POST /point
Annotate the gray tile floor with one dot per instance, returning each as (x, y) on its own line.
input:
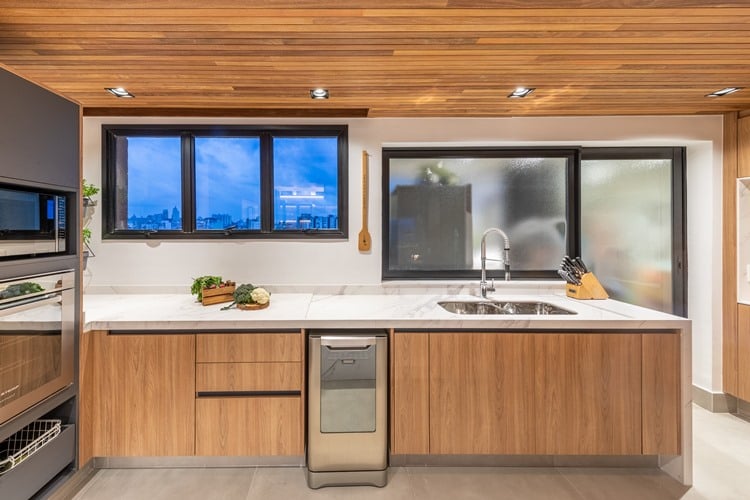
(721, 471)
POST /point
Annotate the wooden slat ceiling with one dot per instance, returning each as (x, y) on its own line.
(384, 58)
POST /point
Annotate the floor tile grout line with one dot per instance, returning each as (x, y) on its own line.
(576, 490)
(410, 481)
(248, 496)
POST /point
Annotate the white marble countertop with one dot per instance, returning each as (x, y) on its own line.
(177, 312)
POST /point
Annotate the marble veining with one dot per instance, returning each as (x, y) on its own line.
(358, 310)
(470, 287)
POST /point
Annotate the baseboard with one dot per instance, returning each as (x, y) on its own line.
(643, 461)
(74, 483)
(196, 462)
(743, 409)
(716, 402)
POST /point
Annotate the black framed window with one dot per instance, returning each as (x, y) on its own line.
(633, 224)
(621, 209)
(225, 182)
(437, 203)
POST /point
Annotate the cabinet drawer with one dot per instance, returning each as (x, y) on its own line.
(227, 377)
(248, 347)
(253, 426)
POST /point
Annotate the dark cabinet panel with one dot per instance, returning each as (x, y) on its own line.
(39, 133)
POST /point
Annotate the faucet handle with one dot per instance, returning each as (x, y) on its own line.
(491, 288)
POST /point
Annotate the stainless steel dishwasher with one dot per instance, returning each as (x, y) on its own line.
(347, 414)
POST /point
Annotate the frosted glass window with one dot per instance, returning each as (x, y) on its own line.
(626, 228)
(439, 208)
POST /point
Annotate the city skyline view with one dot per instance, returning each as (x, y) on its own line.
(228, 183)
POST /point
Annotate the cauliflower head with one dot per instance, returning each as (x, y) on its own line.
(260, 296)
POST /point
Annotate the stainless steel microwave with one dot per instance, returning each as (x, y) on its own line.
(32, 222)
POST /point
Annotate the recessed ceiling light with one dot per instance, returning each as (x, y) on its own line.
(118, 92)
(521, 92)
(319, 93)
(724, 91)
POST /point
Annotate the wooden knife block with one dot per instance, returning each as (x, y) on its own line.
(590, 288)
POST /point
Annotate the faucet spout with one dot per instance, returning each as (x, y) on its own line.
(484, 287)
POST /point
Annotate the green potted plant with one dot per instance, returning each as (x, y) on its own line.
(89, 191)
(87, 252)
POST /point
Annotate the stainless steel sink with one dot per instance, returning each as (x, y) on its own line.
(499, 307)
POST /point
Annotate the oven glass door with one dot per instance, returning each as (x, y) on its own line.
(36, 340)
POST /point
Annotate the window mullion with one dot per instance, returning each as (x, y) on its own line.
(574, 204)
(266, 182)
(188, 183)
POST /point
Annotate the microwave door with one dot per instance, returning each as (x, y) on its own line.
(31, 223)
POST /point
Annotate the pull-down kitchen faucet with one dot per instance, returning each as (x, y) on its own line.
(483, 286)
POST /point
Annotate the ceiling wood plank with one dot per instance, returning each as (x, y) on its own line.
(434, 58)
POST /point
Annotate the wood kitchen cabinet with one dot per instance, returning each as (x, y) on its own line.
(250, 347)
(587, 394)
(138, 395)
(599, 393)
(410, 393)
(481, 400)
(248, 426)
(661, 408)
(249, 394)
(152, 395)
(743, 352)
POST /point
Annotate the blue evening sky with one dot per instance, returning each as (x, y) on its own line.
(227, 172)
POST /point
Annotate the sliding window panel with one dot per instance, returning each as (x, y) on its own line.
(439, 207)
(631, 225)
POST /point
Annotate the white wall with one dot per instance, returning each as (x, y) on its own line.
(339, 262)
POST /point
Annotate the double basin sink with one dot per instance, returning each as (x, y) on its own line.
(501, 307)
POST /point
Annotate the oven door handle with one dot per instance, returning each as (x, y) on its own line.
(30, 303)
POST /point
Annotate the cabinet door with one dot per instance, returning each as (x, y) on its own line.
(743, 352)
(410, 393)
(241, 377)
(248, 347)
(588, 394)
(481, 393)
(661, 394)
(143, 394)
(249, 426)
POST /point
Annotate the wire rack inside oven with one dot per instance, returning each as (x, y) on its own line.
(26, 442)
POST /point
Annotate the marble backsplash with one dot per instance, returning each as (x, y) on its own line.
(384, 288)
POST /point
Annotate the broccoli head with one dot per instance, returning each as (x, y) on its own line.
(243, 294)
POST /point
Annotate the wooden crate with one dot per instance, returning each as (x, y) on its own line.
(218, 295)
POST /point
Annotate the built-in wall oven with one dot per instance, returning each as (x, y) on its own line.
(33, 222)
(37, 335)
